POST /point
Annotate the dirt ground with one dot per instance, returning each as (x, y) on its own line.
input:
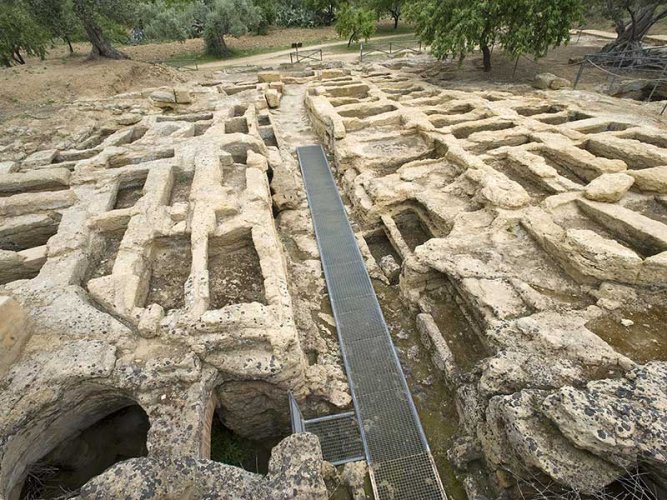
(61, 78)
(159, 52)
(561, 61)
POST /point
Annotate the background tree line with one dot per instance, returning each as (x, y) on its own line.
(453, 28)
(30, 27)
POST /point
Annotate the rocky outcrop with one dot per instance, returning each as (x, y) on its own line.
(609, 188)
(295, 470)
(549, 81)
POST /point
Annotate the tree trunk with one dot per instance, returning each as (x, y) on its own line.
(631, 35)
(330, 13)
(69, 43)
(486, 52)
(16, 55)
(395, 16)
(101, 46)
(352, 37)
(224, 50)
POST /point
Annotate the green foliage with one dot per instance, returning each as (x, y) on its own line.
(393, 8)
(295, 14)
(19, 32)
(325, 9)
(458, 27)
(355, 22)
(268, 10)
(162, 20)
(227, 447)
(228, 17)
(55, 16)
(120, 11)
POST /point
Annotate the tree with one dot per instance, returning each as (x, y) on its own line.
(19, 32)
(354, 22)
(393, 7)
(56, 16)
(92, 14)
(268, 10)
(633, 20)
(228, 17)
(324, 8)
(162, 20)
(459, 27)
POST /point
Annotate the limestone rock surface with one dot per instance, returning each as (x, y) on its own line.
(609, 188)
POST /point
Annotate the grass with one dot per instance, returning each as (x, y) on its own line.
(344, 49)
(383, 29)
(236, 53)
(227, 447)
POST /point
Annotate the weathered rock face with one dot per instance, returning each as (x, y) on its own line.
(13, 332)
(619, 419)
(549, 81)
(140, 264)
(514, 214)
(609, 188)
(295, 471)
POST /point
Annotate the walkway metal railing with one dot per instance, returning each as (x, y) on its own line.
(390, 48)
(400, 462)
(304, 55)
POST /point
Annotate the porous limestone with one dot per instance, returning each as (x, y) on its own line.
(159, 251)
(522, 208)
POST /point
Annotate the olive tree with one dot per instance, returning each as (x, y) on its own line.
(355, 22)
(632, 19)
(57, 17)
(92, 14)
(325, 9)
(228, 17)
(391, 7)
(19, 33)
(459, 27)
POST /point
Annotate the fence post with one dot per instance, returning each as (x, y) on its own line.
(657, 82)
(612, 80)
(389, 48)
(361, 52)
(581, 70)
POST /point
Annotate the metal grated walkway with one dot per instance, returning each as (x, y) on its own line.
(400, 461)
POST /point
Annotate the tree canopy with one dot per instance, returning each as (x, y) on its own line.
(19, 31)
(392, 7)
(355, 22)
(228, 17)
(459, 27)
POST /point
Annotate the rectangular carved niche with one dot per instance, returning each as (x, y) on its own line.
(170, 268)
(180, 193)
(235, 275)
(414, 231)
(129, 193)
